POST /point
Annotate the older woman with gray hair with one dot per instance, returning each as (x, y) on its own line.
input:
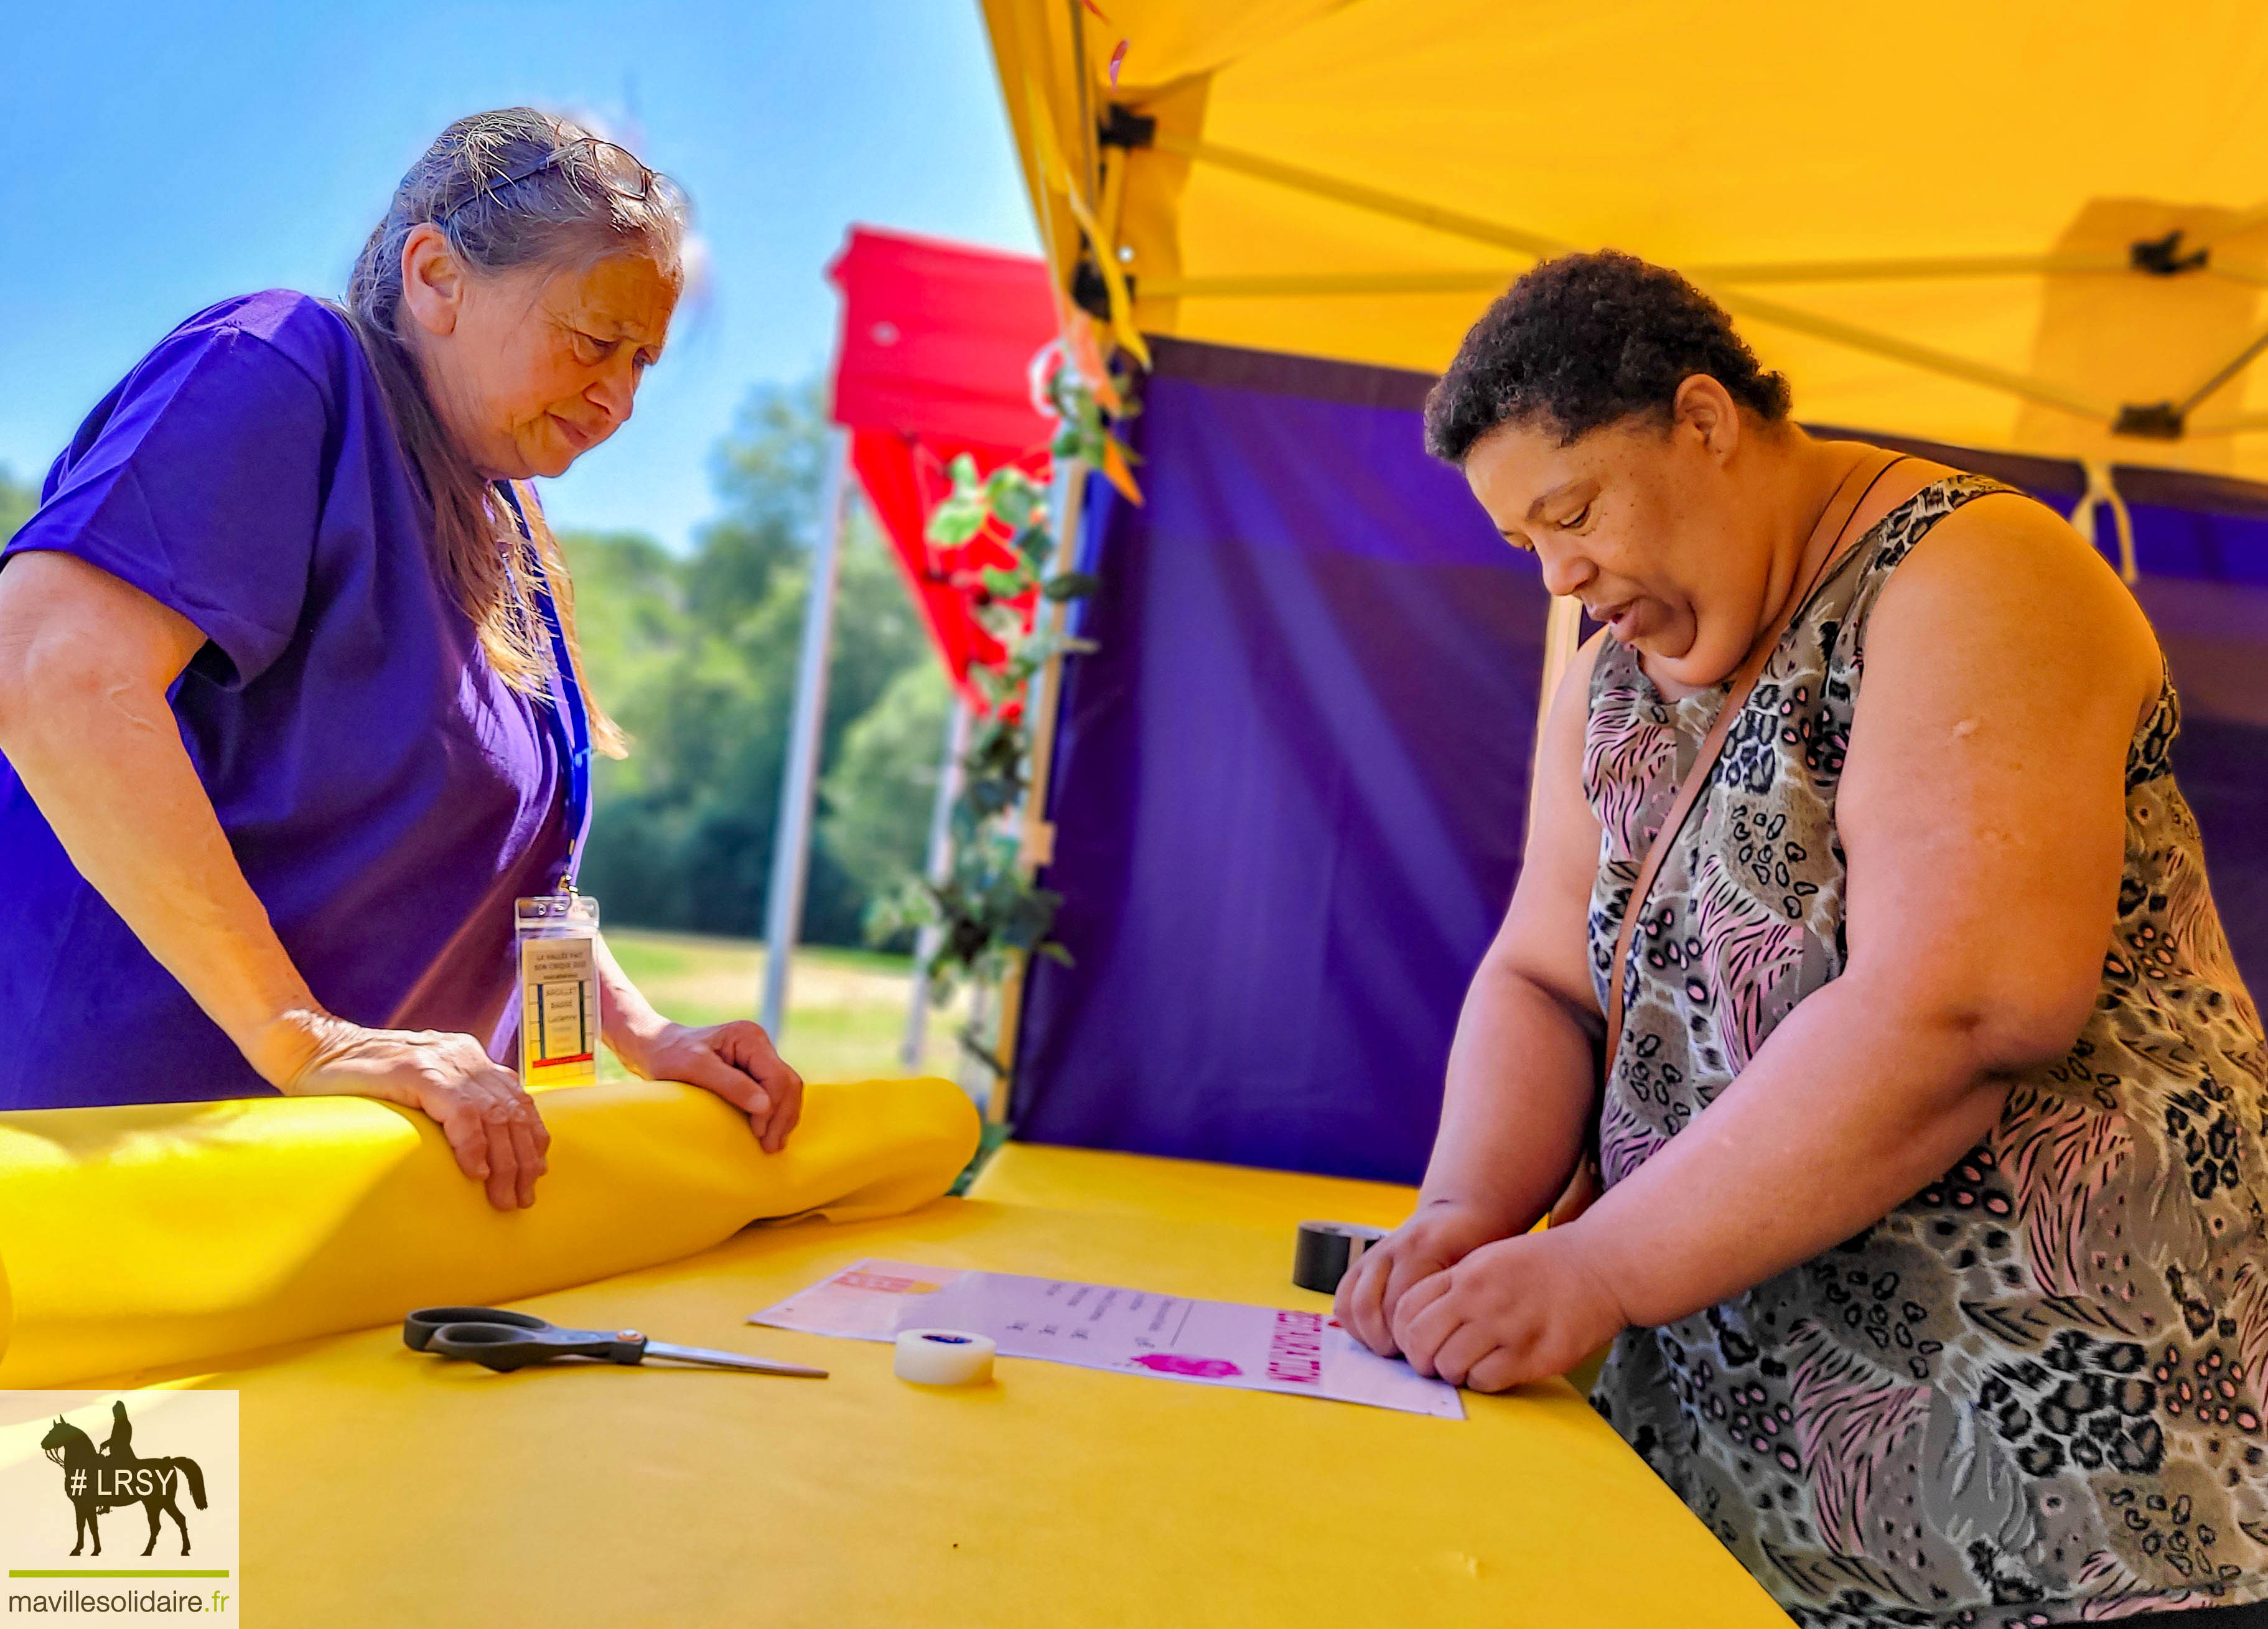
(291, 702)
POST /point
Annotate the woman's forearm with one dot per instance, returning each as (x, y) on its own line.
(1851, 1106)
(1517, 1088)
(1512, 1119)
(101, 752)
(1522, 1076)
(627, 1020)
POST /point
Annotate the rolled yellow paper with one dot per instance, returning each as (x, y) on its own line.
(139, 1238)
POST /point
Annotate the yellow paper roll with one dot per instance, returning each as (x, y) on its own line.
(135, 1238)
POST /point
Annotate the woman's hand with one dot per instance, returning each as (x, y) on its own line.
(735, 1060)
(492, 1126)
(1516, 1310)
(1437, 1237)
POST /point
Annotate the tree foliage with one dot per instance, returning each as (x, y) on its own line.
(17, 501)
(988, 912)
(696, 656)
(881, 788)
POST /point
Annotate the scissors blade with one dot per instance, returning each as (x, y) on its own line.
(730, 1360)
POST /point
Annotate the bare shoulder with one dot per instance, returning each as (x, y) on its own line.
(1544, 933)
(2003, 591)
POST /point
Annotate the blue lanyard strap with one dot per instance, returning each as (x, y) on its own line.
(570, 718)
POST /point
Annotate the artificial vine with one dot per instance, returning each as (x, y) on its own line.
(988, 909)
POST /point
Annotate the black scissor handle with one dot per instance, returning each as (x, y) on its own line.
(507, 1346)
(419, 1327)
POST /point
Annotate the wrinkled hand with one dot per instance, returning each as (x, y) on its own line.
(1516, 1310)
(499, 1139)
(1437, 1237)
(736, 1061)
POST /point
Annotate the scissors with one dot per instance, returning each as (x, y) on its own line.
(504, 1341)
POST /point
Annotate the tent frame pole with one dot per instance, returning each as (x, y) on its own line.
(2213, 237)
(1928, 359)
(1328, 283)
(1037, 834)
(2221, 375)
(799, 784)
(1563, 636)
(937, 867)
(1532, 244)
(2236, 425)
(1066, 499)
(2045, 392)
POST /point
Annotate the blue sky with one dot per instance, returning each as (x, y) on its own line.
(161, 157)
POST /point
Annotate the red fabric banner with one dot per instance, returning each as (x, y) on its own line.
(934, 361)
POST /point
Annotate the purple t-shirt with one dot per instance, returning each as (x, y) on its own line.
(385, 793)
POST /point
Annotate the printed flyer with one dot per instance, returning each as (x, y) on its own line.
(1208, 1342)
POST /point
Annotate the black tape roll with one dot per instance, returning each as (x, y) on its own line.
(1327, 1249)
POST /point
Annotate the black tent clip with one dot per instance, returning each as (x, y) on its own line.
(2162, 257)
(2154, 421)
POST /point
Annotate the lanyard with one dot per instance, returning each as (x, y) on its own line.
(571, 718)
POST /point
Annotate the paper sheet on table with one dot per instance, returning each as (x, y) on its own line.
(1210, 1343)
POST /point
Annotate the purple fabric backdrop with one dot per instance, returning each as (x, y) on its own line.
(1291, 782)
(2205, 585)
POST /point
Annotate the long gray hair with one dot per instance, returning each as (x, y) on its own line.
(511, 188)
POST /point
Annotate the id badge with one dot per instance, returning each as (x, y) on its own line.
(558, 939)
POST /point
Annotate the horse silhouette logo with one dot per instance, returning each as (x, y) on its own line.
(100, 1479)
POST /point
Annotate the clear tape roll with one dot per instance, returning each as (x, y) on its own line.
(943, 1358)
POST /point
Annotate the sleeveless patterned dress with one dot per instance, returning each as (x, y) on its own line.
(2034, 1393)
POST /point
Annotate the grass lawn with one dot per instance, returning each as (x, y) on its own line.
(846, 1009)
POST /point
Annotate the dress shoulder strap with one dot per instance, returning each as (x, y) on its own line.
(1705, 762)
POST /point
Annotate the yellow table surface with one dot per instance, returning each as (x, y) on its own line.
(380, 1485)
(1089, 1179)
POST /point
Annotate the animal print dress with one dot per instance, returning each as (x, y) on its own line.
(2034, 1393)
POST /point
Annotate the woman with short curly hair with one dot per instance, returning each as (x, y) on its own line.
(1932, 1132)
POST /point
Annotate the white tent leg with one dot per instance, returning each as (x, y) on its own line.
(1563, 636)
(799, 784)
(937, 868)
(2102, 491)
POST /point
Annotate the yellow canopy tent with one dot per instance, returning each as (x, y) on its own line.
(2035, 234)
(2033, 225)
